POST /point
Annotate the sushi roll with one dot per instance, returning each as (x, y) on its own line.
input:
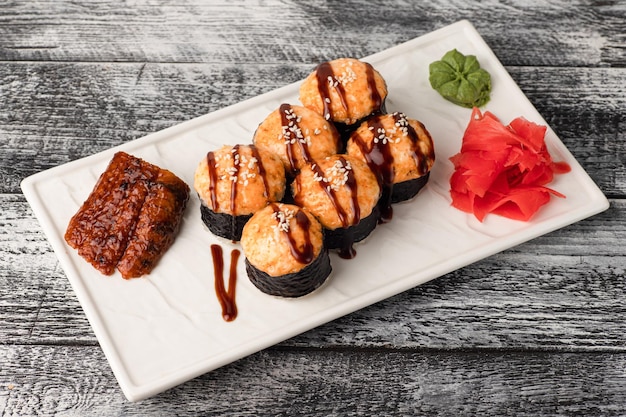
(344, 91)
(233, 183)
(342, 192)
(284, 251)
(297, 135)
(399, 150)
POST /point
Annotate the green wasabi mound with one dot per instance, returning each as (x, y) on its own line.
(459, 79)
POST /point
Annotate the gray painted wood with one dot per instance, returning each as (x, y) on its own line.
(51, 118)
(539, 329)
(329, 383)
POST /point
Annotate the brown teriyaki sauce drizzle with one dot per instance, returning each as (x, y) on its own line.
(235, 174)
(225, 297)
(293, 136)
(210, 159)
(306, 254)
(326, 79)
(380, 159)
(213, 178)
(261, 168)
(374, 94)
(346, 250)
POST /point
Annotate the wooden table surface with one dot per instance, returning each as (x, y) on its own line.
(539, 329)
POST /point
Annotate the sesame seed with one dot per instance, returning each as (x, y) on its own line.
(292, 132)
(283, 217)
(346, 77)
(337, 175)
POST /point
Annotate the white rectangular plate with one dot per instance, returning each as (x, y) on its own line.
(167, 328)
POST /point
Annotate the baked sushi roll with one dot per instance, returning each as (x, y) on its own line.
(297, 135)
(342, 192)
(284, 251)
(344, 91)
(399, 150)
(233, 183)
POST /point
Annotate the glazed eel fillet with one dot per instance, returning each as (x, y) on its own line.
(130, 218)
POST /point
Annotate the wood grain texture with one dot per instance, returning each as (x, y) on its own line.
(76, 381)
(54, 113)
(521, 33)
(539, 329)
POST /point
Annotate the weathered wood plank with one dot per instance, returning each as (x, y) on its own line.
(502, 302)
(36, 298)
(562, 33)
(48, 117)
(77, 381)
(535, 330)
(563, 290)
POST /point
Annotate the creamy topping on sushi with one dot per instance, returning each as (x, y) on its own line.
(339, 175)
(297, 135)
(384, 135)
(339, 190)
(396, 148)
(344, 90)
(292, 135)
(240, 170)
(280, 229)
(339, 81)
(284, 217)
(239, 179)
(291, 132)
